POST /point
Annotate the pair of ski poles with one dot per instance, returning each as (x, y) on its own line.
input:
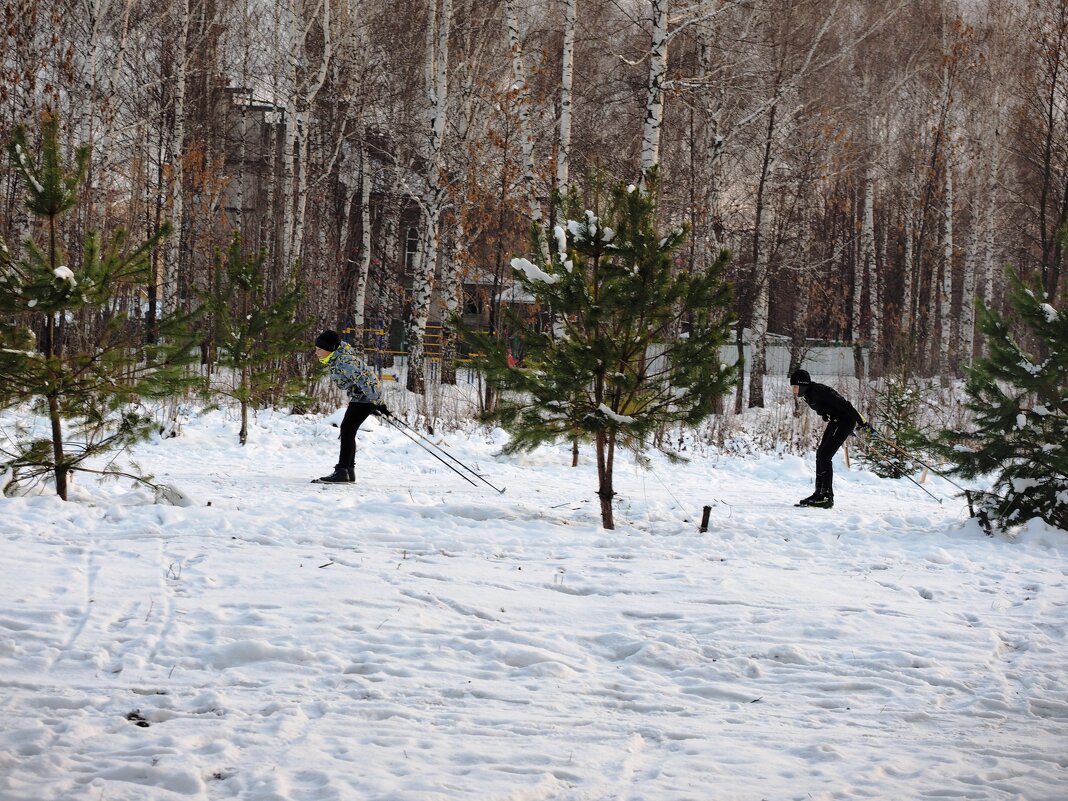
(895, 447)
(439, 453)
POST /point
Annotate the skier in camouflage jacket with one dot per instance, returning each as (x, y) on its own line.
(358, 380)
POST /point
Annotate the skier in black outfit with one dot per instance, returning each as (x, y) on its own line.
(841, 419)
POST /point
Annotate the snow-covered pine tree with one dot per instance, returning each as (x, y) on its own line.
(253, 332)
(1019, 397)
(91, 393)
(611, 371)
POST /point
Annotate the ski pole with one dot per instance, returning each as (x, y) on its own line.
(914, 481)
(441, 450)
(918, 484)
(448, 455)
(905, 453)
(389, 419)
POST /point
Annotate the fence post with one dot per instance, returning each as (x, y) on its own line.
(705, 512)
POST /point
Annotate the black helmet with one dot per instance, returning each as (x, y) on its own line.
(801, 378)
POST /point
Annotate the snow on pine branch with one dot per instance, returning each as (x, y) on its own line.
(1051, 313)
(63, 273)
(24, 162)
(1029, 366)
(615, 416)
(591, 230)
(561, 247)
(532, 271)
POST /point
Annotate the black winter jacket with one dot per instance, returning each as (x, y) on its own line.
(829, 405)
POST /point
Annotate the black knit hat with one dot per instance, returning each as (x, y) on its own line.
(328, 340)
(801, 378)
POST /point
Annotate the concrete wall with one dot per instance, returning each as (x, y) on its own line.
(819, 361)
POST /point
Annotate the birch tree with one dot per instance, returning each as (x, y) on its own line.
(437, 74)
(908, 309)
(966, 330)
(799, 318)
(865, 269)
(654, 99)
(172, 254)
(104, 52)
(758, 321)
(945, 292)
(988, 269)
(526, 132)
(706, 239)
(567, 77)
(363, 268)
(303, 83)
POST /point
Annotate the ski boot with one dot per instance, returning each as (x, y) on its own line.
(824, 501)
(341, 475)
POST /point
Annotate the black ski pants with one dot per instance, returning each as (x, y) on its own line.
(833, 436)
(350, 424)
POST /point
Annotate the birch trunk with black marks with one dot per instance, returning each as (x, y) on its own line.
(945, 291)
(989, 273)
(391, 223)
(289, 146)
(437, 64)
(758, 322)
(966, 333)
(363, 265)
(864, 270)
(654, 101)
(941, 295)
(707, 239)
(303, 91)
(567, 77)
(799, 318)
(526, 133)
(172, 255)
(908, 309)
(116, 55)
(878, 310)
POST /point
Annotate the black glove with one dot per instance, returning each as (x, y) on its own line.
(380, 409)
(863, 424)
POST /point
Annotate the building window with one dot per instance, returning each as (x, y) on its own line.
(411, 250)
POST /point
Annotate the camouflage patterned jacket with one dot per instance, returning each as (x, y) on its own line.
(353, 376)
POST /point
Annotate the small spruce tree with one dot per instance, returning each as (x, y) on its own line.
(253, 333)
(91, 393)
(1019, 397)
(897, 413)
(634, 345)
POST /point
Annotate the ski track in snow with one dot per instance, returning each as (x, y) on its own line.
(412, 637)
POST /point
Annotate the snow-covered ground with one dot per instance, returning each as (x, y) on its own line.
(413, 637)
